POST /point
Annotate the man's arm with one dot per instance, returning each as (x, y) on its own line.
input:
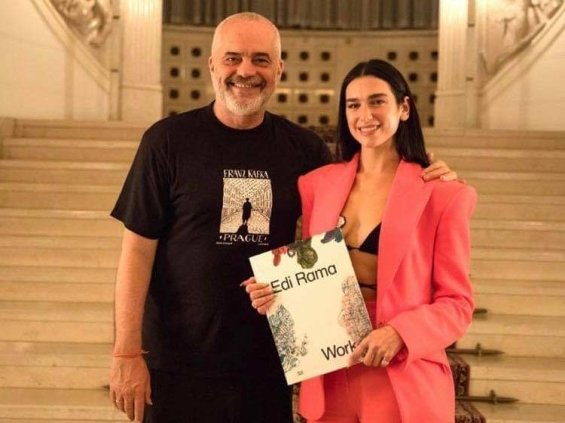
(129, 377)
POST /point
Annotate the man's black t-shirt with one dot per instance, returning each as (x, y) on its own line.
(213, 196)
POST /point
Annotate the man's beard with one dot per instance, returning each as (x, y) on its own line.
(245, 106)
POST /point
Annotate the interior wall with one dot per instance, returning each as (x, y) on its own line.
(352, 15)
(39, 76)
(315, 63)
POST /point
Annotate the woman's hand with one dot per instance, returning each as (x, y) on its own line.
(378, 348)
(260, 294)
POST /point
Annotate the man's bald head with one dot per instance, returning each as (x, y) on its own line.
(251, 17)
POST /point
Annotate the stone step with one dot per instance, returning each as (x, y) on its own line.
(56, 222)
(49, 257)
(539, 380)
(104, 253)
(520, 207)
(40, 321)
(56, 312)
(61, 172)
(56, 291)
(517, 182)
(521, 413)
(113, 173)
(103, 197)
(61, 242)
(517, 263)
(58, 274)
(493, 138)
(486, 232)
(75, 129)
(448, 137)
(518, 254)
(88, 150)
(58, 196)
(54, 365)
(519, 287)
(513, 268)
(503, 160)
(521, 297)
(518, 335)
(57, 405)
(518, 234)
(56, 331)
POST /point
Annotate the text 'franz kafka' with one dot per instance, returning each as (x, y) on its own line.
(302, 278)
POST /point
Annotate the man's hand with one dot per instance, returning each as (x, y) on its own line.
(439, 169)
(130, 389)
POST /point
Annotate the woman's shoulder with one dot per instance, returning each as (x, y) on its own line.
(445, 193)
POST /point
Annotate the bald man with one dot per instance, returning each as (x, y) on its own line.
(210, 357)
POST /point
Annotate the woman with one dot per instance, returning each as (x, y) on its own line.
(409, 245)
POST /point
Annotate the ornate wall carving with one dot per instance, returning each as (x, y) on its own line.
(91, 20)
(511, 26)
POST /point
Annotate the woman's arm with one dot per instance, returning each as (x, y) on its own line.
(429, 328)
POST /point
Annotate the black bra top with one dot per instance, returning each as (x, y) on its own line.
(371, 243)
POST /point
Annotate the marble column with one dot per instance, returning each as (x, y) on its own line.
(141, 89)
(451, 103)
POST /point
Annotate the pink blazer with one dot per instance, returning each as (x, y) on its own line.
(423, 285)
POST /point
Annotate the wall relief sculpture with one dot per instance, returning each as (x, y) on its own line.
(91, 20)
(511, 26)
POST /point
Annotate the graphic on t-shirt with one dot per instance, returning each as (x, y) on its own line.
(246, 207)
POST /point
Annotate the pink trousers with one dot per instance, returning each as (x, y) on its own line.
(359, 394)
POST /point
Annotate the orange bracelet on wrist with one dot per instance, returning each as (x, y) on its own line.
(129, 355)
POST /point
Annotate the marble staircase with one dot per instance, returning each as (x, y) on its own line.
(58, 253)
(518, 267)
(59, 250)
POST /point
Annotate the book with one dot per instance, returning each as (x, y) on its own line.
(319, 315)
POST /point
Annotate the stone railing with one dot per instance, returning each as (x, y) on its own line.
(511, 27)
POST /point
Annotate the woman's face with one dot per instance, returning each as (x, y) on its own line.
(373, 115)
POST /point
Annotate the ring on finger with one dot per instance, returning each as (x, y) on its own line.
(366, 355)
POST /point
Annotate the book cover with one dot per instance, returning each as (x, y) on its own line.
(319, 314)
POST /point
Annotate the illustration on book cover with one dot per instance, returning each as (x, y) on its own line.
(319, 314)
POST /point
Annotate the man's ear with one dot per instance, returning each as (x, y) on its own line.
(280, 70)
(210, 64)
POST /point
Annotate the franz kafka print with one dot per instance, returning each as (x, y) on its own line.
(246, 207)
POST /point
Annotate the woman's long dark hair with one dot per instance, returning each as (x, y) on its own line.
(409, 137)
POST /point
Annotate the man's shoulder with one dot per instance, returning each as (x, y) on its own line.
(304, 140)
(180, 121)
(283, 124)
(175, 130)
